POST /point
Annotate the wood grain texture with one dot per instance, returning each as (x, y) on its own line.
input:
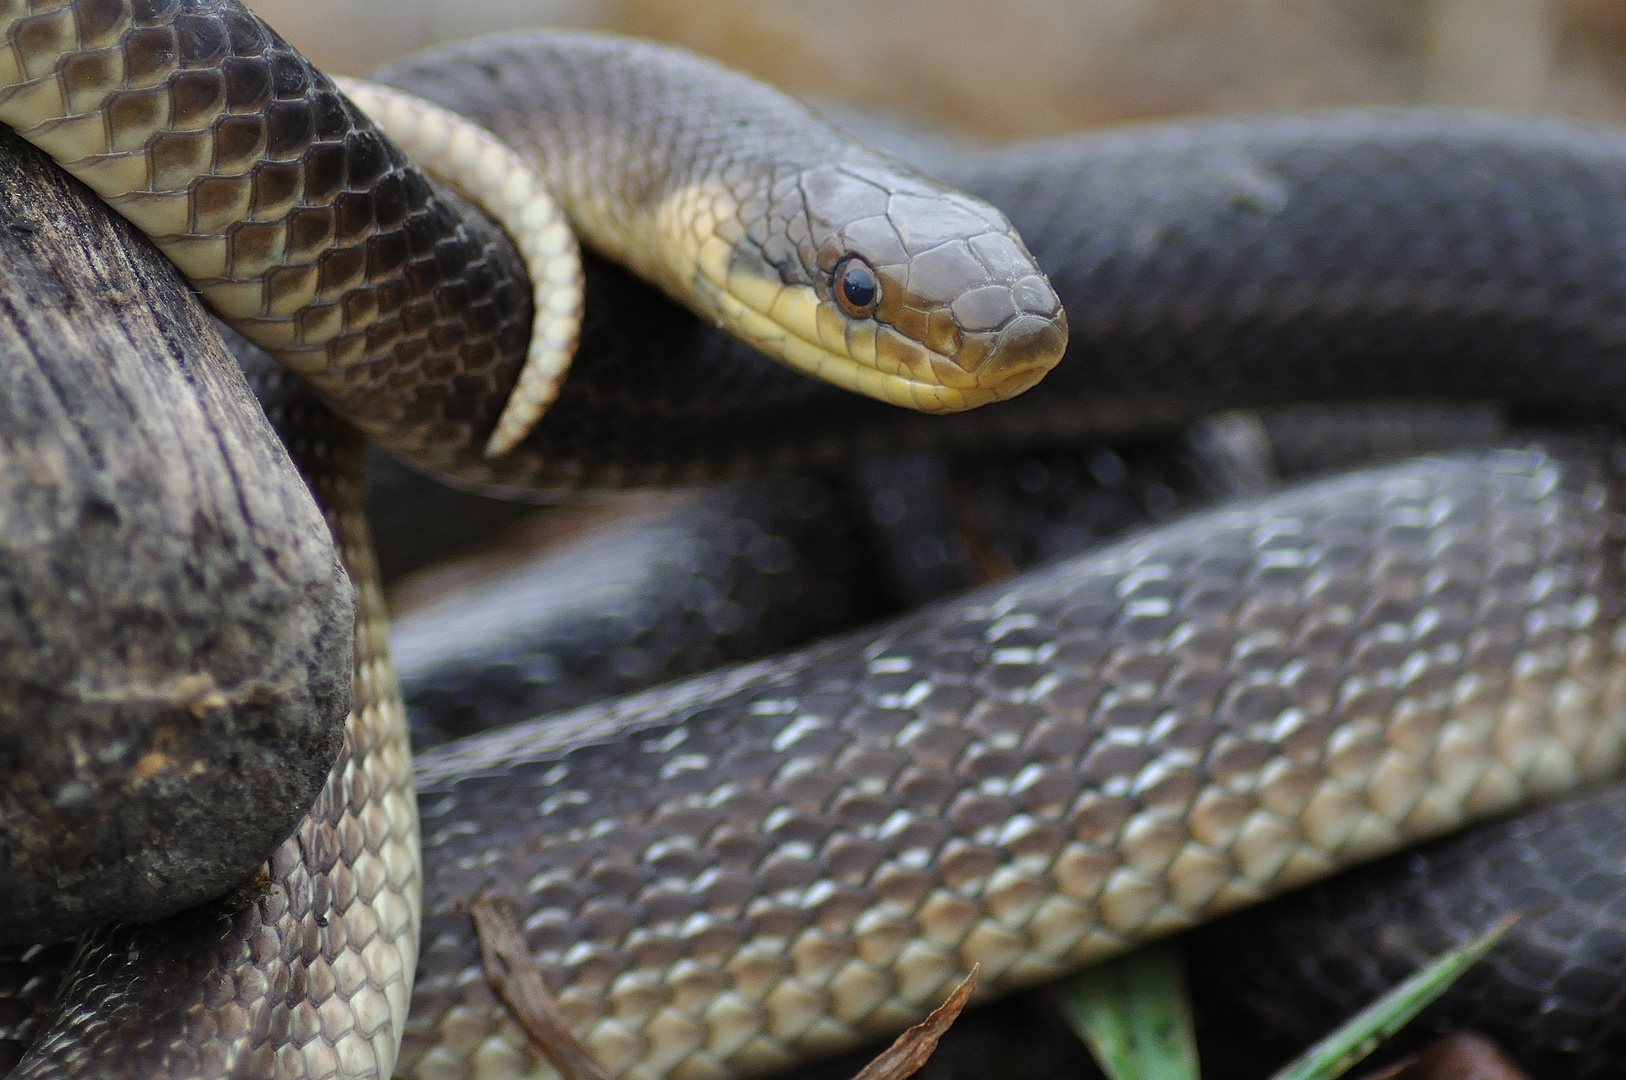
(169, 593)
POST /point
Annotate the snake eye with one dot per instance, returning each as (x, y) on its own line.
(857, 288)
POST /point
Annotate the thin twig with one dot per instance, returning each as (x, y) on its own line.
(1393, 1072)
(517, 980)
(1461, 1055)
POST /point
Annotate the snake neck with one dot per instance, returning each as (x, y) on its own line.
(677, 150)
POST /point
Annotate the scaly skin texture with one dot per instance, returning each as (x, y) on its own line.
(1116, 834)
(785, 858)
(310, 234)
(734, 572)
(502, 185)
(313, 236)
(1203, 264)
(1549, 993)
(718, 575)
(298, 222)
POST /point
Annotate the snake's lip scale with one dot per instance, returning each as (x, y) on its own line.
(988, 365)
(882, 363)
(1027, 349)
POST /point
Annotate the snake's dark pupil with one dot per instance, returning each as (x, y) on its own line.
(859, 289)
(858, 285)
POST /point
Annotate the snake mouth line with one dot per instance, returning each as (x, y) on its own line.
(796, 326)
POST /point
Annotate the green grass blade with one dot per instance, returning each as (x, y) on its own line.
(1362, 1033)
(1135, 1015)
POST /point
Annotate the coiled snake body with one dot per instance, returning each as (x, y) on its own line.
(786, 857)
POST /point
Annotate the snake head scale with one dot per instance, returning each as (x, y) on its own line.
(870, 276)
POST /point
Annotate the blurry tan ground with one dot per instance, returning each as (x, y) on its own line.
(1027, 66)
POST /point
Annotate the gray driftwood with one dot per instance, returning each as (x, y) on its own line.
(175, 628)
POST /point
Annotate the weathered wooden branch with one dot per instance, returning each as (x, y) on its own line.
(175, 629)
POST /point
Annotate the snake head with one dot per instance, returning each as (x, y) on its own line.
(864, 273)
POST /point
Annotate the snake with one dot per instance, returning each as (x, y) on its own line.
(358, 272)
(787, 857)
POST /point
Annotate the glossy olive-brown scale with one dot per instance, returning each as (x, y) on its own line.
(298, 222)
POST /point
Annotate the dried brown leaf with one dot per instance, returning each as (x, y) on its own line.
(914, 1046)
(1393, 1072)
(1462, 1055)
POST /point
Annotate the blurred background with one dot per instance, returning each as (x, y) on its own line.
(1018, 67)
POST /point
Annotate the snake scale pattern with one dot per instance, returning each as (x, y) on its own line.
(784, 858)
(1030, 778)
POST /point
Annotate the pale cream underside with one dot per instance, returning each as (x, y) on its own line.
(1561, 723)
(459, 152)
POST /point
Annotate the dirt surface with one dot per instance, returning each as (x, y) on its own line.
(1026, 66)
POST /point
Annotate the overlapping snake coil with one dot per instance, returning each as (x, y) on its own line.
(786, 857)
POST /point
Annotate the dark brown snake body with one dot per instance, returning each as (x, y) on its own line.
(782, 859)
